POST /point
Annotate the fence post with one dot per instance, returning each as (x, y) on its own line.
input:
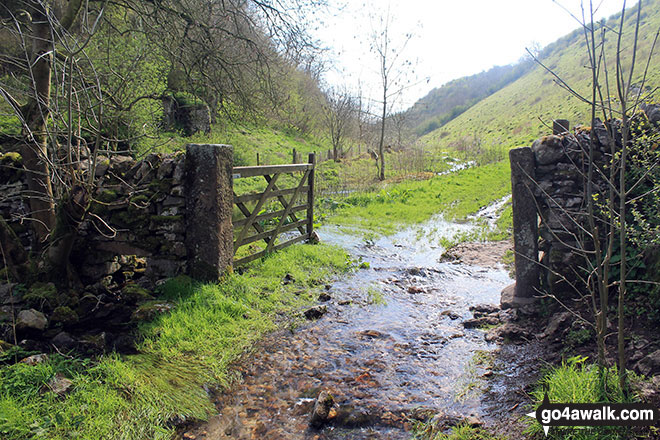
(310, 196)
(258, 159)
(295, 156)
(525, 230)
(209, 202)
(560, 126)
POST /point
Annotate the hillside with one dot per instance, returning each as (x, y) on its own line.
(445, 103)
(524, 110)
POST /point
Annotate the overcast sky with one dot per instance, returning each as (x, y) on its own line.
(451, 38)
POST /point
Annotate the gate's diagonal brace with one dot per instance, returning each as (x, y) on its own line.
(287, 208)
(255, 212)
(285, 205)
(246, 212)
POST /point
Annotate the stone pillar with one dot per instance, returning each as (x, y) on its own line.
(209, 203)
(525, 229)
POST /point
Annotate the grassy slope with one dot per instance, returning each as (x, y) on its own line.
(511, 116)
(137, 397)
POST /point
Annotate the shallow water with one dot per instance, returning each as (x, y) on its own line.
(391, 345)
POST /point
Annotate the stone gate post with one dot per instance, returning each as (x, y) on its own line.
(525, 230)
(209, 203)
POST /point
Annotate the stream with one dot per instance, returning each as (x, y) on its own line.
(390, 347)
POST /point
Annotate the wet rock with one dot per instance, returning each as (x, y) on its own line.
(351, 417)
(474, 421)
(324, 297)
(321, 412)
(316, 312)
(31, 320)
(59, 384)
(508, 331)
(452, 315)
(415, 289)
(483, 309)
(557, 322)
(481, 322)
(34, 359)
(345, 302)
(649, 365)
(288, 279)
(373, 334)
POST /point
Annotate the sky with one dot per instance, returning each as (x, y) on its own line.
(450, 38)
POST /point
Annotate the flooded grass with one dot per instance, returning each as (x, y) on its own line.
(454, 195)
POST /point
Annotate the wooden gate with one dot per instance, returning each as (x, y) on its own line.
(253, 221)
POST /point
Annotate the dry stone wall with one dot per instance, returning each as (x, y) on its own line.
(550, 208)
(137, 228)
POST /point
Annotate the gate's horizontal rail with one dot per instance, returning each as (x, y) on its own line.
(270, 215)
(280, 192)
(240, 172)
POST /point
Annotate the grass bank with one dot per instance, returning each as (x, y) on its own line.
(454, 195)
(181, 354)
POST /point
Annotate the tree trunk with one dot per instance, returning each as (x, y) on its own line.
(36, 111)
(382, 137)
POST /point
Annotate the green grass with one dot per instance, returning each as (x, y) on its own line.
(576, 381)
(140, 396)
(427, 431)
(454, 195)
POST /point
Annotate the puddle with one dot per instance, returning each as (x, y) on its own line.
(391, 345)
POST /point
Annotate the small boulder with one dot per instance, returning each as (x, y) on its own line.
(31, 320)
(316, 312)
(324, 297)
(321, 412)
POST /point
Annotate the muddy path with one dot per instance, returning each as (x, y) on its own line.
(392, 347)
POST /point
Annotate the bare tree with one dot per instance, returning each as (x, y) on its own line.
(338, 114)
(392, 68)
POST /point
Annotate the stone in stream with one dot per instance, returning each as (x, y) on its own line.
(483, 309)
(481, 322)
(315, 312)
(322, 410)
(324, 297)
(508, 331)
(450, 314)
